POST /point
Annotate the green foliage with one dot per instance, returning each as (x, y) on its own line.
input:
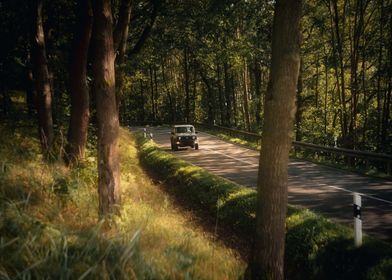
(315, 247)
(381, 271)
(210, 192)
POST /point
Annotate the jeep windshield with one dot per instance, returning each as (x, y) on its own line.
(184, 129)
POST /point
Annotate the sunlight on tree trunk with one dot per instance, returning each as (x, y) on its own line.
(107, 114)
(267, 256)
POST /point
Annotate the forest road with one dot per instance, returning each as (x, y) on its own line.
(325, 190)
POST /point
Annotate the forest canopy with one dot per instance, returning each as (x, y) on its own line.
(208, 61)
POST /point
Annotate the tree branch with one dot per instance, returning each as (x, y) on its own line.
(147, 29)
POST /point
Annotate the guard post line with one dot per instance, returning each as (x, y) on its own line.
(357, 220)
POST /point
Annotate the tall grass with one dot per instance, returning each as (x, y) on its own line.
(49, 227)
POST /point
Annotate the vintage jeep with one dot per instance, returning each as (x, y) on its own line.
(183, 136)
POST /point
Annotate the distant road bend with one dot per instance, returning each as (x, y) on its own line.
(323, 189)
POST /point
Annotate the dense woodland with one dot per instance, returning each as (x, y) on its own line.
(88, 66)
(208, 61)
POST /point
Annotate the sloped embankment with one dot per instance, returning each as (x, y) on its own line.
(49, 226)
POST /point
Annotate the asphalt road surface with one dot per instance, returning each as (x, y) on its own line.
(323, 189)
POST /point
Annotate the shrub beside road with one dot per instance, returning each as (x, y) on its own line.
(316, 248)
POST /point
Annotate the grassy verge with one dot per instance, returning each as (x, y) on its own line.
(235, 140)
(315, 247)
(49, 229)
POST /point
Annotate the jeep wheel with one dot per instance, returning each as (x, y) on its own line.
(175, 147)
(196, 146)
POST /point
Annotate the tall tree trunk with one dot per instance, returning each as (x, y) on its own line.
(365, 99)
(339, 41)
(234, 97)
(386, 116)
(227, 93)
(337, 44)
(300, 109)
(142, 111)
(210, 99)
(194, 91)
(120, 39)
(220, 95)
(156, 93)
(246, 97)
(107, 114)
(379, 74)
(316, 87)
(42, 81)
(79, 91)
(267, 257)
(152, 93)
(326, 98)
(167, 90)
(354, 59)
(186, 85)
(257, 73)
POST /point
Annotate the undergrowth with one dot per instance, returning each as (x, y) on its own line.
(49, 226)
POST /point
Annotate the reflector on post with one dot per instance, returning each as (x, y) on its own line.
(357, 220)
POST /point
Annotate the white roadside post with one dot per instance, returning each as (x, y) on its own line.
(357, 220)
(145, 132)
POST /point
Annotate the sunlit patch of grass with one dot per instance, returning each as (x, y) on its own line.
(169, 240)
(239, 141)
(49, 224)
(235, 140)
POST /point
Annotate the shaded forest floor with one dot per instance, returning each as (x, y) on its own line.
(49, 224)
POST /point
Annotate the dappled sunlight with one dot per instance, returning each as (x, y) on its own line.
(58, 208)
(323, 189)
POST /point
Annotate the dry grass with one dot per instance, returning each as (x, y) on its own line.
(49, 229)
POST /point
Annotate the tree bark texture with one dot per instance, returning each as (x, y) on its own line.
(267, 256)
(107, 114)
(79, 91)
(41, 77)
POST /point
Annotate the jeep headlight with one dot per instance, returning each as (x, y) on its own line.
(179, 137)
(194, 137)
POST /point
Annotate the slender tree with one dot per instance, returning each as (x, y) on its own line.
(246, 97)
(120, 39)
(41, 78)
(107, 114)
(267, 257)
(79, 91)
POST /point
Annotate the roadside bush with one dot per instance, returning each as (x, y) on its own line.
(316, 248)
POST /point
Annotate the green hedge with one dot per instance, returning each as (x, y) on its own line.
(315, 247)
